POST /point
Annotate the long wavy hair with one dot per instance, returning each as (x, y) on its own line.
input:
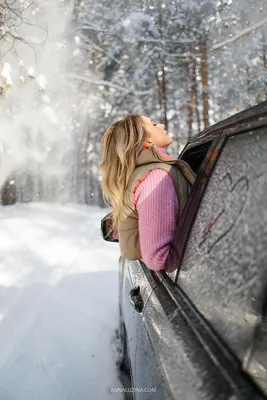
(121, 145)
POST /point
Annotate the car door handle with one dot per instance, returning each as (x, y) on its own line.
(136, 299)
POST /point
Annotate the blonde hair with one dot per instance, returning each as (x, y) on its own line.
(122, 143)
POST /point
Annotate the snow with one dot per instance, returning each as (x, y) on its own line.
(41, 82)
(58, 304)
(5, 76)
(31, 72)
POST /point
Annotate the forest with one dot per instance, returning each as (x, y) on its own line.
(69, 69)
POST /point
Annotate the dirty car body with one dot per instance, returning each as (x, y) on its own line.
(200, 332)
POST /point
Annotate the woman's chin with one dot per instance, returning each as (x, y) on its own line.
(167, 145)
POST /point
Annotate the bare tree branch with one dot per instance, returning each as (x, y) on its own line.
(11, 17)
(241, 34)
(109, 84)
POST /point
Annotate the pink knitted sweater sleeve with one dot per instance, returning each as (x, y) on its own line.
(157, 206)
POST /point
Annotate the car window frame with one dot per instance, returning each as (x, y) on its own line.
(193, 201)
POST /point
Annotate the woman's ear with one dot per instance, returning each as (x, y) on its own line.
(148, 144)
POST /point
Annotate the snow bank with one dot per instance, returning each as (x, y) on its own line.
(58, 304)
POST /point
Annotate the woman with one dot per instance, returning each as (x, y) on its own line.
(146, 189)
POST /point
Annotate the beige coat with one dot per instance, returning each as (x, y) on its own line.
(183, 177)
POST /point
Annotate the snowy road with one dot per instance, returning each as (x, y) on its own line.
(58, 304)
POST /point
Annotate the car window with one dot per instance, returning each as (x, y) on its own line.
(223, 270)
(195, 155)
(201, 158)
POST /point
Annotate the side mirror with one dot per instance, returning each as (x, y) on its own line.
(105, 229)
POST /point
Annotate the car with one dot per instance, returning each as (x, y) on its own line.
(200, 332)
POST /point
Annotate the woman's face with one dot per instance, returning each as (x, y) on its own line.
(156, 134)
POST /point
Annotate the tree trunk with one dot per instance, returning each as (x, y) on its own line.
(195, 92)
(161, 82)
(248, 82)
(84, 163)
(193, 107)
(40, 184)
(164, 99)
(190, 102)
(264, 50)
(205, 82)
(8, 192)
(28, 189)
(162, 79)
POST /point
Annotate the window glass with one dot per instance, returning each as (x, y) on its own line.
(200, 156)
(196, 155)
(224, 266)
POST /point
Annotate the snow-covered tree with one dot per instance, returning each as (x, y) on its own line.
(187, 63)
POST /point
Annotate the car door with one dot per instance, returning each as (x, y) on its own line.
(146, 376)
(195, 356)
(136, 285)
(223, 270)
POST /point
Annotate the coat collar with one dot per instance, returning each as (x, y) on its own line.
(152, 155)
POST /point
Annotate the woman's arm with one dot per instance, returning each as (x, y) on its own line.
(115, 233)
(157, 206)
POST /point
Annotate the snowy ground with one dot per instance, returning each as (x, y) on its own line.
(58, 304)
